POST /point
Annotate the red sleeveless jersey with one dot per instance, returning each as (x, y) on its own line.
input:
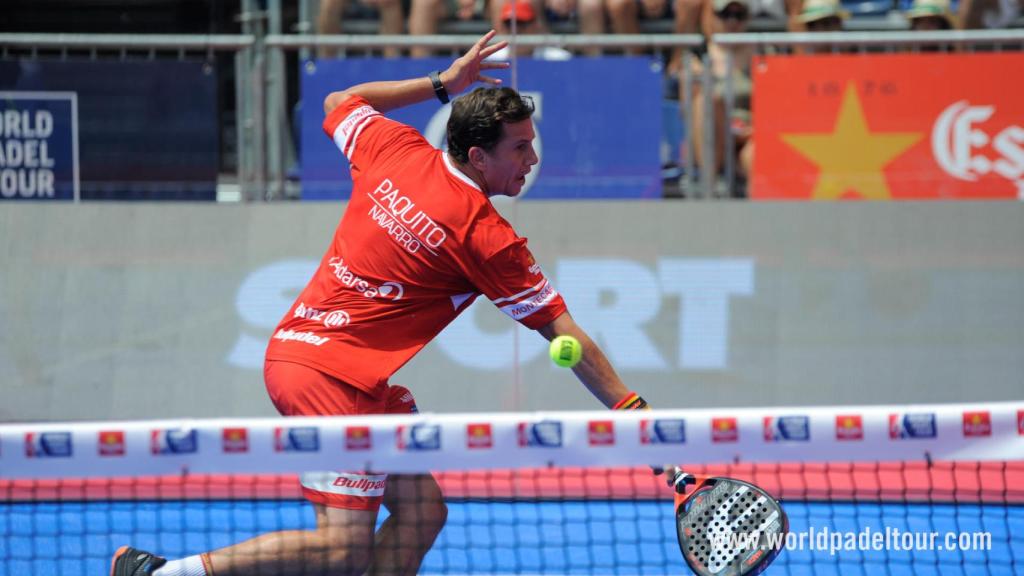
(418, 243)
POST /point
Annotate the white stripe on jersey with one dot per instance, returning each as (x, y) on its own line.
(366, 485)
(519, 296)
(524, 308)
(348, 130)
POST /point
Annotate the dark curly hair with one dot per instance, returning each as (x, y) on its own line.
(478, 117)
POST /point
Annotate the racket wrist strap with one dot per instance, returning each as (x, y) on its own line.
(632, 401)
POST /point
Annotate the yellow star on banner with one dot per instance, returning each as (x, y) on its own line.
(851, 157)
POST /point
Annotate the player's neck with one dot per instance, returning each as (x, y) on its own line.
(473, 174)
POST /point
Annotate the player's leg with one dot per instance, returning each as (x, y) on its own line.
(341, 544)
(416, 509)
(417, 515)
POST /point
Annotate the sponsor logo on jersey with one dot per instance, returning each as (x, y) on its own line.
(358, 438)
(110, 443)
(1020, 422)
(418, 437)
(663, 431)
(545, 434)
(359, 485)
(479, 436)
(174, 441)
(234, 440)
(849, 427)
(329, 318)
(977, 423)
(601, 432)
(305, 337)
(724, 429)
(787, 429)
(298, 439)
(912, 425)
(386, 291)
(528, 301)
(48, 445)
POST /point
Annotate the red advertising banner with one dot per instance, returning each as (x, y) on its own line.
(879, 127)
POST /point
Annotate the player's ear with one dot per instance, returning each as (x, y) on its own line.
(478, 157)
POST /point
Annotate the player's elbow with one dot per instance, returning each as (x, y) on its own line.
(335, 99)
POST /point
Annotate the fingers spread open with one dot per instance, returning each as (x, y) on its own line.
(492, 49)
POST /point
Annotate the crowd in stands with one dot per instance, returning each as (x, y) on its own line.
(706, 17)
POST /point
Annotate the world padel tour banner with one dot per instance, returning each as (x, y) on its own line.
(145, 129)
(901, 127)
(38, 146)
(598, 124)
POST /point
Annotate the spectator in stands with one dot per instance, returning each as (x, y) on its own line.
(729, 17)
(425, 17)
(623, 16)
(989, 13)
(332, 12)
(523, 14)
(823, 16)
(931, 15)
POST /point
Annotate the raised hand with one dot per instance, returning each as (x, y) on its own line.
(469, 68)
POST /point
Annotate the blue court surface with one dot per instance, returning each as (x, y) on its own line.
(573, 537)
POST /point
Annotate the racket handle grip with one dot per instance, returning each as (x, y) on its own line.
(678, 480)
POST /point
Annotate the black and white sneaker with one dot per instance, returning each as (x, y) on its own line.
(131, 562)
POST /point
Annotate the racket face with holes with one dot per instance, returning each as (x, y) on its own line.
(726, 527)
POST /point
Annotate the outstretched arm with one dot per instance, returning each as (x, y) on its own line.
(462, 74)
(594, 369)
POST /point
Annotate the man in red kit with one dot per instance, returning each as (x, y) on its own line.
(418, 243)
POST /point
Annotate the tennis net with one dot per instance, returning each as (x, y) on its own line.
(895, 489)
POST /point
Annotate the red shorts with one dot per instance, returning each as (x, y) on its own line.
(298, 390)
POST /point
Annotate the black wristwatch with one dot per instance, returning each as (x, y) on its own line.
(435, 79)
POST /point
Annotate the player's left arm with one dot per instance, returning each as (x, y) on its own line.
(463, 73)
(594, 370)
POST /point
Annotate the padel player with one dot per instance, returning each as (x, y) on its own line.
(418, 243)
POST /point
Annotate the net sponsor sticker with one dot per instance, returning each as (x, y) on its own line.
(601, 432)
(724, 429)
(418, 437)
(234, 440)
(299, 439)
(668, 431)
(479, 436)
(110, 443)
(849, 427)
(918, 425)
(545, 434)
(48, 445)
(173, 441)
(787, 429)
(977, 424)
(358, 438)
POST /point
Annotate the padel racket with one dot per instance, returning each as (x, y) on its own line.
(726, 527)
